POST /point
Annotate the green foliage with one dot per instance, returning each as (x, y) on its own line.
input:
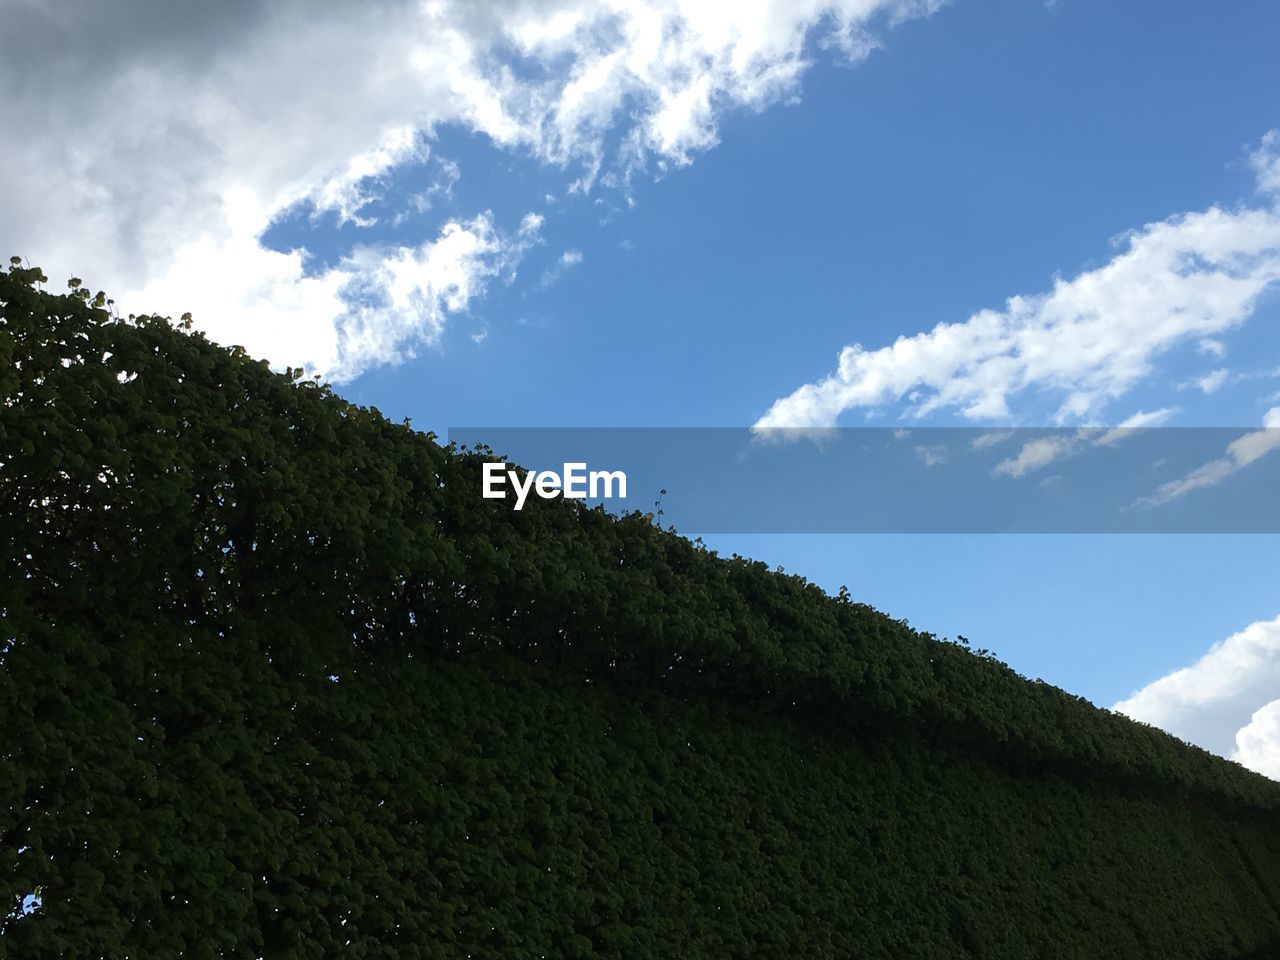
(275, 681)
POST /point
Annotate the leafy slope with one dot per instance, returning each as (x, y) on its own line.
(275, 681)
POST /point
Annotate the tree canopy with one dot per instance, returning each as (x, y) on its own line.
(276, 681)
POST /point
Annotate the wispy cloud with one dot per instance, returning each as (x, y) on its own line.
(1240, 453)
(1038, 453)
(1212, 382)
(355, 186)
(1138, 421)
(985, 441)
(1215, 380)
(1088, 341)
(932, 455)
(441, 187)
(566, 261)
(1265, 162)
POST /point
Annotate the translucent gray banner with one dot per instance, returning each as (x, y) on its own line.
(918, 480)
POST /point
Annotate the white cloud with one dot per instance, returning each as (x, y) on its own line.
(995, 437)
(1212, 382)
(1215, 380)
(1266, 162)
(1212, 348)
(566, 261)
(1087, 341)
(931, 456)
(1141, 420)
(159, 124)
(1042, 451)
(425, 200)
(374, 307)
(1227, 701)
(1038, 453)
(1240, 453)
(404, 297)
(349, 191)
(1258, 743)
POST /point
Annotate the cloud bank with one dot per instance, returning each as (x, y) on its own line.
(170, 135)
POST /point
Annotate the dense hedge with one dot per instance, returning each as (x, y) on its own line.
(276, 681)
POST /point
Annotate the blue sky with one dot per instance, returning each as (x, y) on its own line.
(695, 238)
(979, 154)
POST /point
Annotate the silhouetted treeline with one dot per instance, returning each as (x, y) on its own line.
(277, 682)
